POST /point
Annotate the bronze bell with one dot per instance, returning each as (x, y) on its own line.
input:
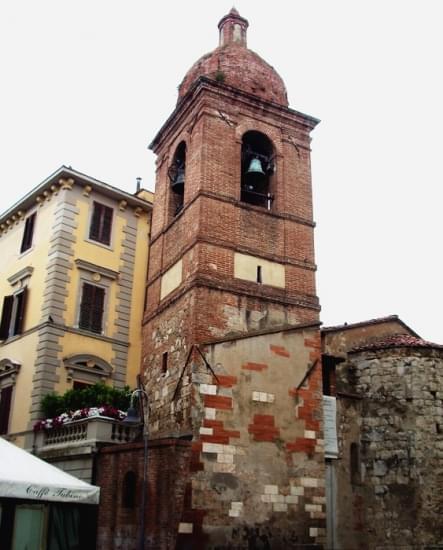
(179, 181)
(255, 167)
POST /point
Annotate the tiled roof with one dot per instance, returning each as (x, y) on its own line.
(369, 322)
(396, 341)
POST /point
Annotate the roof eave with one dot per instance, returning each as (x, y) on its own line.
(203, 81)
(113, 192)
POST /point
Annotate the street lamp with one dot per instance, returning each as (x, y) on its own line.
(134, 418)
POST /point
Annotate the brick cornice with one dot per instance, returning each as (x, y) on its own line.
(230, 94)
(235, 202)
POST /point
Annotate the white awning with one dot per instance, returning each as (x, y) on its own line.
(23, 475)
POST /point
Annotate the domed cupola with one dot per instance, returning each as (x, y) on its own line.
(232, 63)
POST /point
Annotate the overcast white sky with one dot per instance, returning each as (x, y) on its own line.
(88, 83)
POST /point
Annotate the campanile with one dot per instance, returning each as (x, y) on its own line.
(231, 357)
(232, 247)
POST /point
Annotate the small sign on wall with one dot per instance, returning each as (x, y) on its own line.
(330, 426)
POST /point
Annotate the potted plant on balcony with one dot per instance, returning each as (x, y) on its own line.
(98, 400)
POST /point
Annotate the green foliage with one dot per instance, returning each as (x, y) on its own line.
(91, 396)
(52, 405)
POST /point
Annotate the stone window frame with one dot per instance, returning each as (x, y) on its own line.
(20, 276)
(101, 277)
(87, 368)
(9, 369)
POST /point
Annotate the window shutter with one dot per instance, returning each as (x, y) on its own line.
(8, 302)
(28, 233)
(97, 310)
(94, 230)
(106, 225)
(20, 314)
(91, 308)
(101, 223)
(5, 408)
(86, 306)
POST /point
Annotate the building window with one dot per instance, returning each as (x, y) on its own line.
(13, 314)
(28, 233)
(129, 490)
(5, 408)
(257, 169)
(176, 175)
(77, 385)
(101, 224)
(259, 274)
(92, 308)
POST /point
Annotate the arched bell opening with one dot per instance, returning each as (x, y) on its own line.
(176, 173)
(257, 169)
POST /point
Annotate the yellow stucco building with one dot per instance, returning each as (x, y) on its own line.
(72, 306)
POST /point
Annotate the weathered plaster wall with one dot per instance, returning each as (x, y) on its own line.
(257, 451)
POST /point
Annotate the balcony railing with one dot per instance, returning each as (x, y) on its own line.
(89, 431)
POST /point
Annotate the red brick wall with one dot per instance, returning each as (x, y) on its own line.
(210, 303)
(168, 467)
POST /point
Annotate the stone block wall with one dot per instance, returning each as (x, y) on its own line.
(390, 492)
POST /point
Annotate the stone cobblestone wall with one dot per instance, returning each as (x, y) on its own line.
(390, 478)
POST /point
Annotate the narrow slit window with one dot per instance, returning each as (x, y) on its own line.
(259, 274)
(165, 362)
(129, 490)
(355, 463)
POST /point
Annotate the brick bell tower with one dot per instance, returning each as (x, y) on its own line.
(232, 249)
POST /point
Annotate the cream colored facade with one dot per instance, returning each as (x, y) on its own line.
(254, 269)
(65, 336)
